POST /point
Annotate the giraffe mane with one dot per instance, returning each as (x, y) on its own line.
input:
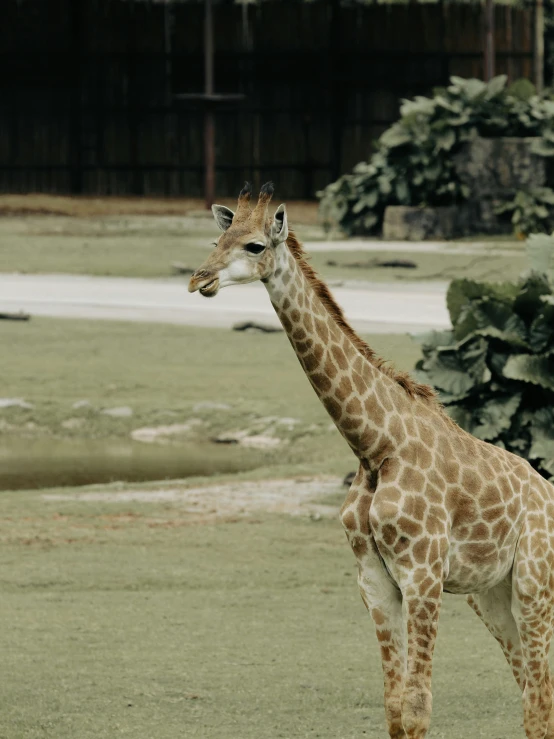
(413, 389)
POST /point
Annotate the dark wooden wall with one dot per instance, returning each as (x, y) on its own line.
(87, 88)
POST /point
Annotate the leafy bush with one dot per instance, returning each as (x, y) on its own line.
(413, 163)
(532, 211)
(495, 368)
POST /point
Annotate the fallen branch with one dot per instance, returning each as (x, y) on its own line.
(14, 316)
(264, 327)
(370, 263)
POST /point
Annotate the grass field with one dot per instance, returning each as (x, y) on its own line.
(147, 245)
(123, 620)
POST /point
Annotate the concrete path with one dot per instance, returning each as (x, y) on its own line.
(379, 308)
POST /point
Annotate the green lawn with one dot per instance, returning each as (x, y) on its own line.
(147, 246)
(121, 620)
(430, 266)
(162, 373)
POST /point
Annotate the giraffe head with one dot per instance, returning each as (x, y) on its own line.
(245, 251)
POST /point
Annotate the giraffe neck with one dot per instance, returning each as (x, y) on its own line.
(358, 396)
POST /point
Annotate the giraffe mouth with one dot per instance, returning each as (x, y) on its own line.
(211, 289)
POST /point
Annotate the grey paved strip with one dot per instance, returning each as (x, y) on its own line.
(379, 307)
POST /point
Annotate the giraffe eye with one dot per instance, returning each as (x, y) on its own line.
(254, 248)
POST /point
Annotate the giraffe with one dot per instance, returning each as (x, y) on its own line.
(432, 509)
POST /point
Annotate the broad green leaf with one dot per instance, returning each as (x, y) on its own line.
(495, 416)
(445, 141)
(542, 434)
(541, 332)
(542, 147)
(495, 86)
(528, 301)
(434, 339)
(458, 373)
(471, 88)
(537, 370)
(419, 105)
(462, 416)
(395, 136)
(497, 361)
(402, 191)
(461, 292)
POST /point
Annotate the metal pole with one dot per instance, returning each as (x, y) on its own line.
(538, 46)
(209, 127)
(489, 40)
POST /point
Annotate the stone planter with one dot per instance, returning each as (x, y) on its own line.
(406, 223)
(494, 169)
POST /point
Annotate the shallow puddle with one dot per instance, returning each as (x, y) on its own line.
(28, 464)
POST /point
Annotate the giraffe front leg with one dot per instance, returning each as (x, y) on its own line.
(384, 603)
(381, 597)
(414, 547)
(421, 612)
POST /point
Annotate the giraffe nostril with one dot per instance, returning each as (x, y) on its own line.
(201, 278)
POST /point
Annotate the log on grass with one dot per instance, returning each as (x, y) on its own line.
(14, 316)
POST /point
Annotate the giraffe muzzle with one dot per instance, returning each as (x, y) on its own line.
(207, 283)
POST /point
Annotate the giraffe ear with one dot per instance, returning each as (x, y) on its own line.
(223, 216)
(279, 230)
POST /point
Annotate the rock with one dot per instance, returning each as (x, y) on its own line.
(81, 404)
(120, 412)
(73, 423)
(407, 223)
(152, 434)
(255, 441)
(260, 441)
(270, 423)
(14, 403)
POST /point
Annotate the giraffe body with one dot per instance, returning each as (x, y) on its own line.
(431, 509)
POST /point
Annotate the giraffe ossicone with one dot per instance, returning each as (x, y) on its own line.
(431, 509)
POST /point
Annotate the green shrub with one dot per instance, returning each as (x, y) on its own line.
(532, 211)
(413, 163)
(495, 369)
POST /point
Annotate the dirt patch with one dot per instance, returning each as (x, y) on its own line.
(301, 211)
(297, 497)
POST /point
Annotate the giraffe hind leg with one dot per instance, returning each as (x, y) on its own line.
(494, 608)
(533, 610)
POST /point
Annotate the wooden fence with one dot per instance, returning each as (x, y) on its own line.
(87, 98)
